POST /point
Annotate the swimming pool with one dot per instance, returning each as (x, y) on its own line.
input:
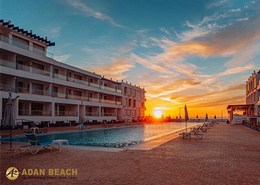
(117, 137)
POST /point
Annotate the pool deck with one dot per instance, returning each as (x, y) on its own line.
(227, 154)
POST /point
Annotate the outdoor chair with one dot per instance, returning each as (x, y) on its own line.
(42, 131)
(194, 132)
(35, 146)
(204, 129)
(80, 125)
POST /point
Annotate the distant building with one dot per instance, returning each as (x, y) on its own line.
(52, 92)
(253, 93)
(252, 107)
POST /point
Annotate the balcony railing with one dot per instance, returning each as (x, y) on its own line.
(40, 92)
(61, 77)
(76, 97)
(91, 114)
(23, 90)
(94, 99)
(25, 46)
(77, 81)
(107, 101)
(93, 85)
(119, 103)
(41, 72)
(23, 67)
(66, 113)
(108, 114)
(7, 63)
(59, 95)
(4, 87)
(26, 112)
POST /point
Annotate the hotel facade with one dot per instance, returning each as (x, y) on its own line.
(47, 91)
(253, 93)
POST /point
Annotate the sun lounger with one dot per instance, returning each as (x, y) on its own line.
(35, 146)
(80, 125)
(194, 132)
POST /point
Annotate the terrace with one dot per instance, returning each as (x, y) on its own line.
(225, 149)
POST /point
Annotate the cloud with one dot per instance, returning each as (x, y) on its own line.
(114, 69)
(235, 10)
(236, 70)
(55, 32)
(90, 12)
(199, 98)
(217, 4)
(62, 58)
(165, 31)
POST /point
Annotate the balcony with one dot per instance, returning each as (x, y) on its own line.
(77, 81)
(41, 72)
(59, 95)
(23, 90)
(92, 114)
(24, 67)
(40, 92)
(7, 63)
(93, 85)
(76, 97)
(108, 114)
(107, 101)
(58, 76)
(118, 103)
(94, 100)
(61, 77)
(26, 112)
(9, 88)
(25, 47)
(66, 113)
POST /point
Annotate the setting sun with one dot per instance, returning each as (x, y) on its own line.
(157, 114)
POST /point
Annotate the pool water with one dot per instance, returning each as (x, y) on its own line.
(118, 137)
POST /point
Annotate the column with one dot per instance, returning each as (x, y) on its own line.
(99, 111)
(10, 39)
(30, 87)
(30, 46)
(51, 71)
(50, 90)
(52, 110)
(30, 108)
(1, 108)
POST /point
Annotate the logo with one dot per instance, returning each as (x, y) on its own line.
(12, 173)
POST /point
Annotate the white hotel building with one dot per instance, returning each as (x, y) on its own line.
(47, 91)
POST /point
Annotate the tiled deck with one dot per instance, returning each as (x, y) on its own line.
(228, 154)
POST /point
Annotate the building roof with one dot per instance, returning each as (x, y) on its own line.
(27, 33)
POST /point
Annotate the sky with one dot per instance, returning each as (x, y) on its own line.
(194, 52)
